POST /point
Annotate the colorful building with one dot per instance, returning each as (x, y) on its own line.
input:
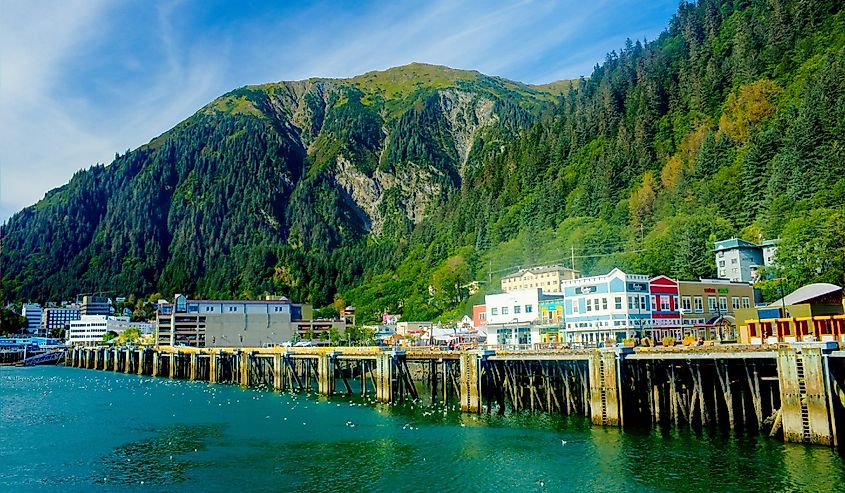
(606, 308)
(811, 313)
(479, 316)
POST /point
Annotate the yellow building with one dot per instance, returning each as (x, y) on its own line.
(547, 278)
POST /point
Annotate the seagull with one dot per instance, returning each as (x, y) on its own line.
(563, 442)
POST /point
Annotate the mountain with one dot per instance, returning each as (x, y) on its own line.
(393, 189)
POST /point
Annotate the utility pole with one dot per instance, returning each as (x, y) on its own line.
(572, 256)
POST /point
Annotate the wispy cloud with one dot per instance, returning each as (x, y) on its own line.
(82, 79)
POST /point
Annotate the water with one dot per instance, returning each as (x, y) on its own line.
(68, 429)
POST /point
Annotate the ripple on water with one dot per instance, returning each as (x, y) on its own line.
(159, 460)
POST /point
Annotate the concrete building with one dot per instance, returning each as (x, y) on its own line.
(609, 307)
(60, 317)
(96, 305)
(739, 260)
(512, 316)
(32, 313)
(479, 316)
(90, 329)
(228, 323)
(546, 278)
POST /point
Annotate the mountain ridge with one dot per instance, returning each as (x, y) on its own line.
(386, 190)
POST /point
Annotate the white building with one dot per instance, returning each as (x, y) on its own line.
(90, 329)
(512, 317)
(32, 313)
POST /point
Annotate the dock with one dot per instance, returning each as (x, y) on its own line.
(794, 391)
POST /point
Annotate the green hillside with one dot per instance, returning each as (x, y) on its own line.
(379, 187)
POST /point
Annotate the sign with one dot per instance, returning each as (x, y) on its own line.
(723, 290)
(585, 290)
(709, 290)
(640, 287)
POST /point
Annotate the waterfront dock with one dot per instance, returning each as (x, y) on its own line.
(789, 390)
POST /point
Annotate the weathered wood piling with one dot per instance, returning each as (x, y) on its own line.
(793, 390)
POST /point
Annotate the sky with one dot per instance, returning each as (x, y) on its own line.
(81, 80)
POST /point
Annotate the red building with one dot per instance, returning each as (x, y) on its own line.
(665, 311)
(479, 316)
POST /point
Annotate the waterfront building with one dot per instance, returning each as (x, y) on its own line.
(740, 260)
(412, 328)
(90, 329)
(512, 316)
(665, 308)
(318, 330)
(479, 316)
(552, 321)
(613, 306)
(546, 278)
(32, 313)
(811, 313)
(60, 317)
(229, 323)
(708, 304)
(96, 305)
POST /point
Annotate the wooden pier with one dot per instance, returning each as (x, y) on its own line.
(795, 391)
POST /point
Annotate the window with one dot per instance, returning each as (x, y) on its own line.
(675, 298)
(746, 302)
(699, 304)
(504, 310)
(574, 306)
(632, 302)
(711, 304)
(589, 305)
(654, 301)
(721, 263)
(618, 302)
(733, 261)
(494, 311)
(643, 304)
(664, 303)
(516, 310)
(735, 302)
(604, 303)
(723, 304)
(529, 309)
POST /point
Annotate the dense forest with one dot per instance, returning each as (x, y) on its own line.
(394, 189)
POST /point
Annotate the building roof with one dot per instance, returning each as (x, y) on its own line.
(806, 294)
(734, 243)
(539, 270)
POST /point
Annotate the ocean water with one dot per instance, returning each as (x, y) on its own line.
(68, 429)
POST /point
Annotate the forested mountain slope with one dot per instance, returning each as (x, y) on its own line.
(377, 187)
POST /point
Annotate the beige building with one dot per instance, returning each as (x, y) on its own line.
(701, 302)
(547, 278)
(228, 323)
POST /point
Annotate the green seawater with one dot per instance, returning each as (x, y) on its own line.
(67, 429)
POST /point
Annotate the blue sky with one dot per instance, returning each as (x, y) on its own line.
(83, 79)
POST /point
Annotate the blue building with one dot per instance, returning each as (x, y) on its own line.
(605, 308)
(739, 260)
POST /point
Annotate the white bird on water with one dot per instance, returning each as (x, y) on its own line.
(563, 442)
